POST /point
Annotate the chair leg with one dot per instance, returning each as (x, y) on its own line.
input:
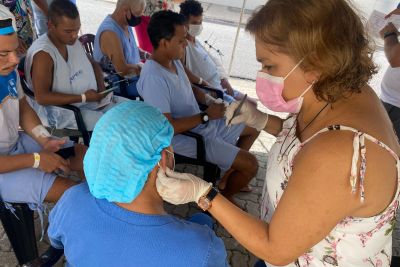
(20, 232)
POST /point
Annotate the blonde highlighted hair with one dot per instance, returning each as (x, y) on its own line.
(328, 34)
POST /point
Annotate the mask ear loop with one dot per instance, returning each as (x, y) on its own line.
(308, 88)
(295, 67)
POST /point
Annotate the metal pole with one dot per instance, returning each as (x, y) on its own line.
(236, 38)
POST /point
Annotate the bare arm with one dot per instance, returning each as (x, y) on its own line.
(184, 124)
(192, 77)
(98, 72)
(42, 4)
(42, 80)
(392, 46)
(111, 47)
(274, 125)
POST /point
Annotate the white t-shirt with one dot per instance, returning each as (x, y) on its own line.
(200, 63)
(74, 76)
(10, 94)
(390, 86)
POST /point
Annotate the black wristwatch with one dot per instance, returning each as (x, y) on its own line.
(204, 118)
(205, 201)
(387, 34)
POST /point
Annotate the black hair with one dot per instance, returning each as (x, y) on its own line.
(62, 8)
(162, 26)
(191, 8)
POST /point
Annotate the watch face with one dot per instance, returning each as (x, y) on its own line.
(205, 118)
(204, 203)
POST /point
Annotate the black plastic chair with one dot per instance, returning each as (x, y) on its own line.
(81, 132)
(20, 229)
(87, 40)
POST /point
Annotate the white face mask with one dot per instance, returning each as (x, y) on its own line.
(195, 30)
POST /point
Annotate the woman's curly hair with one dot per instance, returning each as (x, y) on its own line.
(327, 34)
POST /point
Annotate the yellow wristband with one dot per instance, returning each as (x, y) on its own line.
(36, 156)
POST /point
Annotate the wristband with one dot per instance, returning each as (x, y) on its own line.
(83, 98)
(40, 131)
(201, 80)
(36, 156)
(388, 34)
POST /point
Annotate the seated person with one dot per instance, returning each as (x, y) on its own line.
(59, 72)
(199, 61)
(164, 84)
(115, 45)
(121, 216)
(28, 159)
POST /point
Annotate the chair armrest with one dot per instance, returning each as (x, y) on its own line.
(79, 122)
(219, 93)
(201, 148)
(50, 257)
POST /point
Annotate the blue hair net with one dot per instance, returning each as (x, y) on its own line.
(125, 146)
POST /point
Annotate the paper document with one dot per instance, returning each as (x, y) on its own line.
(377, 22)
(105, 101)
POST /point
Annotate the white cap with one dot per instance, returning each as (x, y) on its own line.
(7, 21)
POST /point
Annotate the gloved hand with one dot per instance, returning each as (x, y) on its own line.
(180, 188)
(249, 114)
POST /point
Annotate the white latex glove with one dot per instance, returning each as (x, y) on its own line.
(180, 188)
(249, 114)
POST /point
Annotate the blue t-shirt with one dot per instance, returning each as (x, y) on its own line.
(129, 46)
(170, 92)
(95, 232)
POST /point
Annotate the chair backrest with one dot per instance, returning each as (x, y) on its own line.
(87, 40)
(24, 83)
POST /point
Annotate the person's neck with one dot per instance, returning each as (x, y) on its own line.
(161, 58)
(120, 19)
(310, 108)
(59, 45)
(145, 203)
(191, 39)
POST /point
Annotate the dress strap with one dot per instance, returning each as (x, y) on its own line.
(359, 149)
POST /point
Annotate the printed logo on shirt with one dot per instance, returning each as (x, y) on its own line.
(75, 75)
(8, 87)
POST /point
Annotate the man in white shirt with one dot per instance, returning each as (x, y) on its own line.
(60, 73)
(28, 159)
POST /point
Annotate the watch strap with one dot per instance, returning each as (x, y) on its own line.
(388, 34)
(212, 194)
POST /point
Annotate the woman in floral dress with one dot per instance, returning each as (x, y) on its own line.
(152, 6)
(332, 182)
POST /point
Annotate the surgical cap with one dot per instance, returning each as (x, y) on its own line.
(125, 146)
(7, 21)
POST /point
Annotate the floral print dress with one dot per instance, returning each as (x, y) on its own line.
(153, 6)
(354, 241)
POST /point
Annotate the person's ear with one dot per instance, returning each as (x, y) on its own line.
(163, 43)
(312, 76)
(164, 159)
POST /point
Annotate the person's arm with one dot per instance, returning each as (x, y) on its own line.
(391, 44)
(214, 111)
(98, 72)
(194, 78)
(144, 55)
(42, 4)
(317, 197)
(42, 79)
(111, 46)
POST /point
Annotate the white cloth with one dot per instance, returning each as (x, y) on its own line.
(74, 76)
(9, 111)
(199, 61)
(390, 87)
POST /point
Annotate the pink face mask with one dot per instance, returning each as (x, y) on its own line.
(269, 90)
